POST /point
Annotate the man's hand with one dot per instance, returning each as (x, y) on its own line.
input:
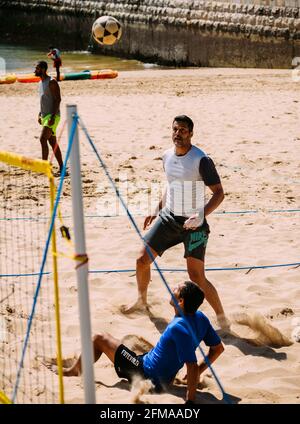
(193, 222)
(150, 218)
(148, 221)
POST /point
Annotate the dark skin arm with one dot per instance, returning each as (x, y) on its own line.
(217, 198)
(213, 354)
(194, 371)
(150, 218)
(192, 380)
(55, 91)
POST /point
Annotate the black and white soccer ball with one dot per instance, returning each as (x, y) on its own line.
(106, 30)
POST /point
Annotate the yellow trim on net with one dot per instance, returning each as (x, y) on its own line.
(4, 399)
(43, 167)
(56, 296)
(34, 165)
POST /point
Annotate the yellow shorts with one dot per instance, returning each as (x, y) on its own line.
(45, 122)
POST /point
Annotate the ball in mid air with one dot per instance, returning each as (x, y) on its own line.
(106, 30)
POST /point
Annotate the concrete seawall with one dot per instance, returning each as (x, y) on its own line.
(181, 32)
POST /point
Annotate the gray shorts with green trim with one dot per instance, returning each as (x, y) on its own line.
(168, 231)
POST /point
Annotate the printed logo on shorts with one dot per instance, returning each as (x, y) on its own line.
(197, 238)
(130, 358)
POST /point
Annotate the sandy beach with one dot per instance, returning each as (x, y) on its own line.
(247, 120)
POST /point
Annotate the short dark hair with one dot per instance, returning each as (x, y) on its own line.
(186, 120)
(192, 295)
(43, 65)
(50, 47)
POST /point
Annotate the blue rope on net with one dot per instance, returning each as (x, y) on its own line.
(33, 274)
(102, 271)
(103, 165)
(245, 212)
(45, 253)
(238, 268)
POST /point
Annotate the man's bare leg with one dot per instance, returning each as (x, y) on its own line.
(197, 275)
(143, 275)
(45, 136)
(56, 150)
(57, 74)
(103, 343)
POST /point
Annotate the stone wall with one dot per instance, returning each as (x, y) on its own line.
(264, 33)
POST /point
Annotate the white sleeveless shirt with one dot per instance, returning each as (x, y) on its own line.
(185, 188)
(46, 97)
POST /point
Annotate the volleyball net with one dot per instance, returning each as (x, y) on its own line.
(29, 321)
(30, 340)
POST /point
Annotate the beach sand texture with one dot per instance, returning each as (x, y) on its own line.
(248, 121)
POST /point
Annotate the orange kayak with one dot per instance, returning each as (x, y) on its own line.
(84, 75)
(28, 78)
(105, 73)
(8, 79)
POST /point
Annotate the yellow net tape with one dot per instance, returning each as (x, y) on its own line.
(81, 258)
(34, 165)
(4, 399)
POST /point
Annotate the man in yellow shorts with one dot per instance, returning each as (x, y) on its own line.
(49, 115)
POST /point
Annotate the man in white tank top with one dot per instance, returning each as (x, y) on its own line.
(49, 115)
(181, 215)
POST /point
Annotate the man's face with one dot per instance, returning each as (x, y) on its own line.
(38, 71)
(181, 135)
(176, 292)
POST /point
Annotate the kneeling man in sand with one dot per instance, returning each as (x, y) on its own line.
(175, 347)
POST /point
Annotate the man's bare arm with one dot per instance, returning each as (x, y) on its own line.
(192, 380)
(196, 220)
(150, 218)
(55, 91)
(216, 199)
(213, 354)
(194, 371)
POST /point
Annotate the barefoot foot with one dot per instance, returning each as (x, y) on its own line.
(71, 372)
(139, 306)
(223, 322)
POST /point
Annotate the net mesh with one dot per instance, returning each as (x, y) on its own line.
(24, 224)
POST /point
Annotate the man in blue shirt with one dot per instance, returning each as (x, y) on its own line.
(175, 347)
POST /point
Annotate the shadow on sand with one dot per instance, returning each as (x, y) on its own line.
(178, 391)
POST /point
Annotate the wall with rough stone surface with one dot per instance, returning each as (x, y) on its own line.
(264, 33)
